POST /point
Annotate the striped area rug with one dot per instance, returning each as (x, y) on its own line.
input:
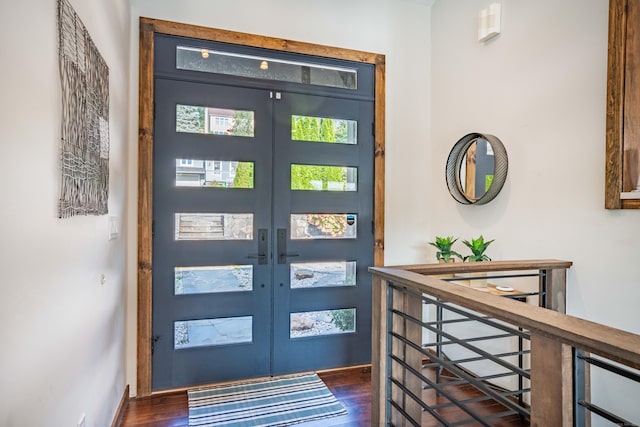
(274, 402)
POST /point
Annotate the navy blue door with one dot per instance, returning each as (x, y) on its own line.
(323, 216)
(262, 233)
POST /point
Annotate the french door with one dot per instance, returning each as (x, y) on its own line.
(262, 232)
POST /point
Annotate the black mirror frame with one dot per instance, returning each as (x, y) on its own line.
(454, 163)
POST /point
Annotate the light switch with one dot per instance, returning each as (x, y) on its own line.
(113, 228)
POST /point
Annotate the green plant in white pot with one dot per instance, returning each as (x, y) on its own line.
(445, 253)
(478, 247)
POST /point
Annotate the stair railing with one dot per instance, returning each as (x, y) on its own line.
(422, 349)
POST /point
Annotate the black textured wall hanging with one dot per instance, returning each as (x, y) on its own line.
(84, 76)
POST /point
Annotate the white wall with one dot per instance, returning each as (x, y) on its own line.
(397, 29)
(540, 86)
(61, 331)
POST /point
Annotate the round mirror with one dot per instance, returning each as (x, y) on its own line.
(476, 169)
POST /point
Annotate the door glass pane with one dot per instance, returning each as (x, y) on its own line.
(326, 322)
(324, 129)
(214, 226)
(322, 274)
(208, 332)
(202, 280)
(323, 226)
(216, 121)
(324, 178)
(213, 173)
(262, 67)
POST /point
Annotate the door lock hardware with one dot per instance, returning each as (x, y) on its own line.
(154, 340)
(263, 241)
(282, 247)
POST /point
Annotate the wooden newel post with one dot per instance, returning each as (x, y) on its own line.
(410, 305)
(556, 294)
(551, 383)
(378, 351)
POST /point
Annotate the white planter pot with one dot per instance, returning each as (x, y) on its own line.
(478, 283)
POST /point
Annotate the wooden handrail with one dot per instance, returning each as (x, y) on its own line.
(615, 344)
(466, 267)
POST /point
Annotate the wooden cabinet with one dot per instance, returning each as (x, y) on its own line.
(623, 106)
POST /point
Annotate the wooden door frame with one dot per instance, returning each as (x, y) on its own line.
(148, 28)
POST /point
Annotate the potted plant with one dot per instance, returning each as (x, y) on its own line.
(478, 247)
(445, 253)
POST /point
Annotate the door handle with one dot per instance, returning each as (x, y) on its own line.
(263, 241)
(282, 247)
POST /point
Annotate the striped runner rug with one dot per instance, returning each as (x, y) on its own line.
(273, 402)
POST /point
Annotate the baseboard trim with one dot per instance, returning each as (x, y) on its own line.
(124, 402)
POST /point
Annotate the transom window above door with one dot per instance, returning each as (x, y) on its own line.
(261, 67)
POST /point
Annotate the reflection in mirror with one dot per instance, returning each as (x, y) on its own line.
(476, 169)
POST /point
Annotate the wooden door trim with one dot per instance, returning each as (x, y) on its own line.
(145, 208)
(148, 28)
(622, 107)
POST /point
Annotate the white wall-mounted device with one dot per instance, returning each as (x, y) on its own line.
(489, 22)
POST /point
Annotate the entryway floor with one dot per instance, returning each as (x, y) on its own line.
(352, 387)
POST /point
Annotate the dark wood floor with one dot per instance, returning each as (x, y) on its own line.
(352, 387)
